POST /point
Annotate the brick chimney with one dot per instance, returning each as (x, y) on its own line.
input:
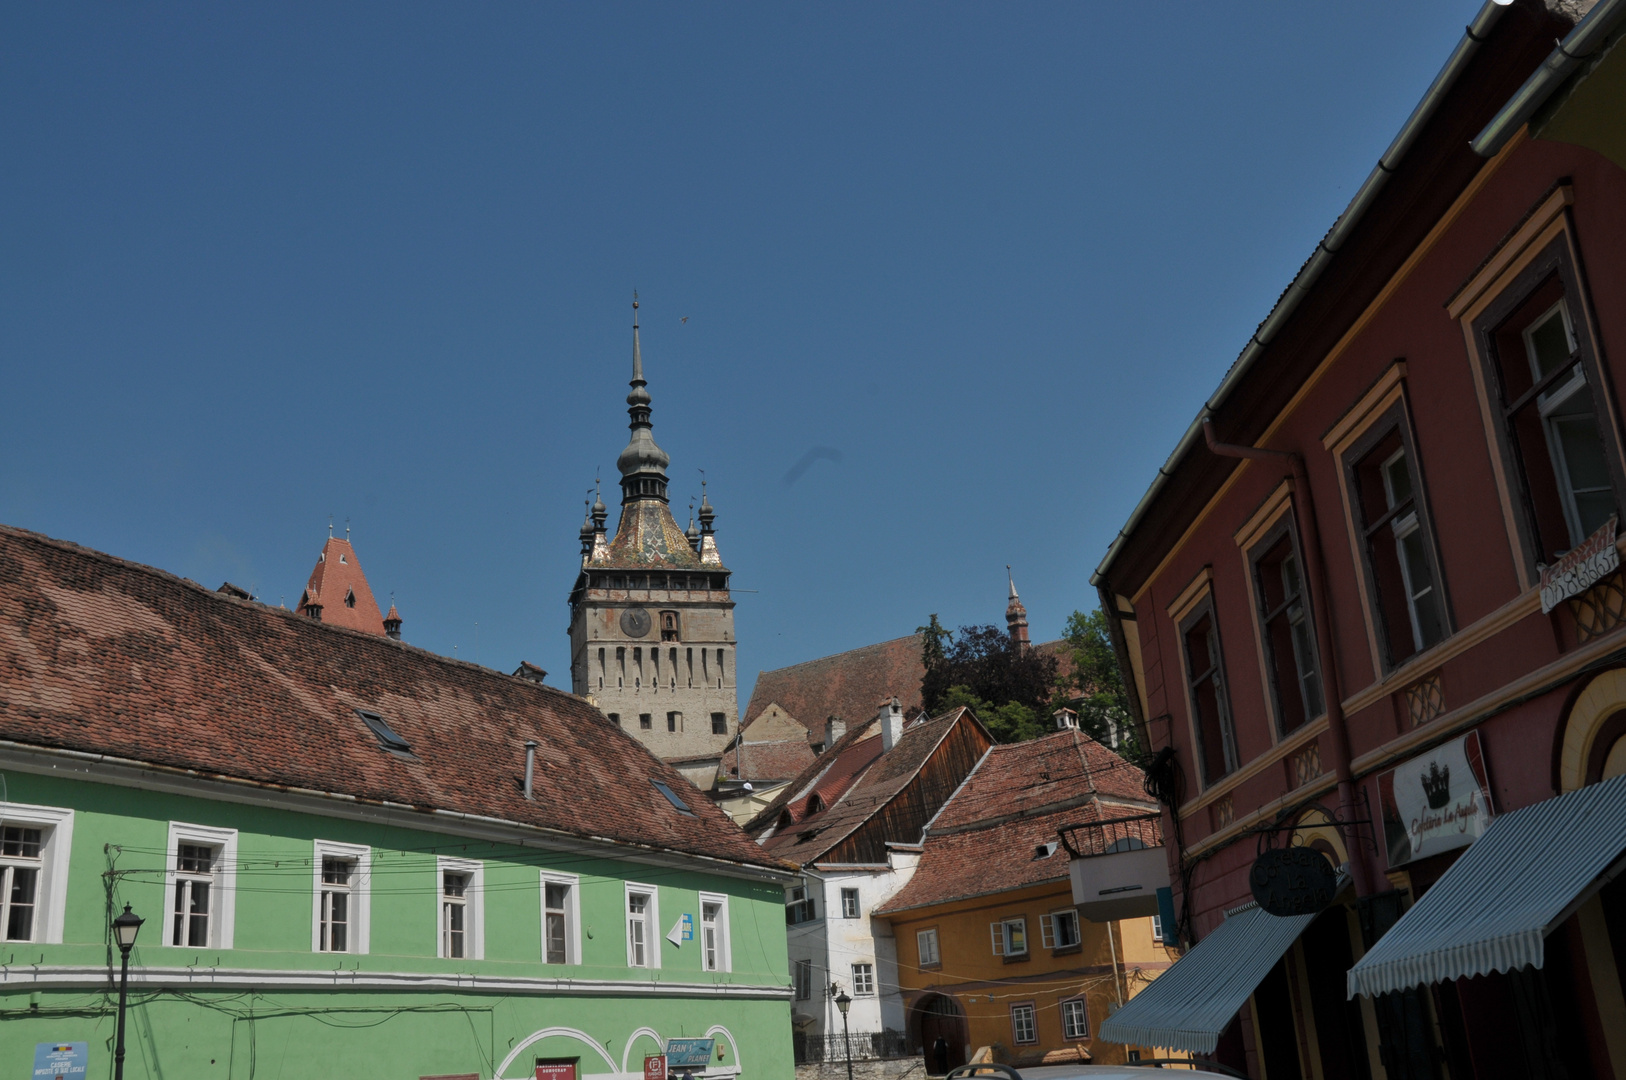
(890, 716)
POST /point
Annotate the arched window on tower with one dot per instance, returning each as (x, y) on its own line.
(669, 626)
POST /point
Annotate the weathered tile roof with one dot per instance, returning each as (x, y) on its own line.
(854, 781)
(847, 685)
(336, 576)
(1025, 777)
(106, 656)
(780, 759)
(984, 840)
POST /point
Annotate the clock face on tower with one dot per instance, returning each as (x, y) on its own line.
(635, 622)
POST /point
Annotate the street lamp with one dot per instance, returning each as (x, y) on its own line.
(843, 1002)
(125, 929)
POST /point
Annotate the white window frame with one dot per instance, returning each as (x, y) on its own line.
(1032, 1021)
(1049, 939)
(360, 895)
(474, 907)
(801, 976)
(56, 842)
(868, 977)
(1068, 1031)
(922, 937)
(1403, 529)
(573, 919)
(1001, 942)
(725, 959)
(857, 907)
(222, 920)
(652, 924)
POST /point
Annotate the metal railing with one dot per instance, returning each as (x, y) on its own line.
(866, 1046)
(1091, 838)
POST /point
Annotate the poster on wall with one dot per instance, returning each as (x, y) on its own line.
(61, 1061)
(1437, 801)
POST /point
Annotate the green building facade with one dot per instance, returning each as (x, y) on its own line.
(418, 912)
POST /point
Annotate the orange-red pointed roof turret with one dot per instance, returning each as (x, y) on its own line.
(337, 592)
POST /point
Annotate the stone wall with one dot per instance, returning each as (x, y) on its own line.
(909, 1068)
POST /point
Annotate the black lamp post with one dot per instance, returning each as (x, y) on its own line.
(125, 929)
(843, 1002)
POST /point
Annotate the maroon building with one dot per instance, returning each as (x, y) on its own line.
(1373, 608)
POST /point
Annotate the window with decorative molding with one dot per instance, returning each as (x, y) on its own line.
(1282, 597)
(1208, 695)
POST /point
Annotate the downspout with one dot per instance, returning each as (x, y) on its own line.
(1315, 574)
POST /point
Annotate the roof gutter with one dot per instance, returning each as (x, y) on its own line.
(1584, 42)
(1472, 38)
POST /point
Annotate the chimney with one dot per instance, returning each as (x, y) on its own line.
(834, 728)
(530, 766)
(1066, 720)
(891, 718)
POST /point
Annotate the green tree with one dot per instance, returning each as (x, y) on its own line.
(1095, 686)
(980, 667)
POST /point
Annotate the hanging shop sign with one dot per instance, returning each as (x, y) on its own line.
(556, 1070)
(61, 1061)
(1293, 881)
(689, 1053)
(1437, 801)
(655, 1067)
(1594, 558)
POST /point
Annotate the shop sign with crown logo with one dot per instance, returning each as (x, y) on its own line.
(1436, 801)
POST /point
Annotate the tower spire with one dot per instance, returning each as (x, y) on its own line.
(642, 463)
(1016, 616)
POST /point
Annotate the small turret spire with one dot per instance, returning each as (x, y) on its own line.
(642, 463)
(1016, 616)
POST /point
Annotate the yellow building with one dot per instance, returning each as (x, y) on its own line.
(991, 950)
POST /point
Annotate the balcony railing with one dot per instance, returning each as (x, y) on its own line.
(1092, 838)
(1117, 866)
(866, 1046)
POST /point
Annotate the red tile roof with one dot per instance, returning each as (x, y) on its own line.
(106, 656)
(779, 759)
(855, 781)
(984, 840)
(847, 684)
(339, 588)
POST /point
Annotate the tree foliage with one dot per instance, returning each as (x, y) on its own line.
(1095, 686)
(980, 667)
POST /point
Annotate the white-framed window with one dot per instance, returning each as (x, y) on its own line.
(1024, 1025)
(34, 846)
(926, 943)
(863, 980)
(1059, 929)
(1010, 936)
(341, 904)
(1416, 575)
(849, 903)
(1075, 1019)
(1157, 929)
(802, 976)
(643, 926)
(714, 946)
(462, 908)
(200, 890)
(561, 918)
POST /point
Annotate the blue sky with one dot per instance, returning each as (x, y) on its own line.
(259, 266)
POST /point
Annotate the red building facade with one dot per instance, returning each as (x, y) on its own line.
(1335, 585)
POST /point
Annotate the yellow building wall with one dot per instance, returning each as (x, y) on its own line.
(986, 985)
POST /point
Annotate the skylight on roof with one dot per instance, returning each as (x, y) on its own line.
(387, 737)
(671, 797)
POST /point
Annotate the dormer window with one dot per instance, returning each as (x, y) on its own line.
(342, 559)
(785, 821)
(350, 595)
(814, 804)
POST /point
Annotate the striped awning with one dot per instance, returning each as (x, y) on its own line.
(1189, 1005)
(1493, 908)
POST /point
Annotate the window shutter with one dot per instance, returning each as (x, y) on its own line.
(998, 931)
(1047, 931)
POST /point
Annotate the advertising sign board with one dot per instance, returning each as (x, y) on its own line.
(1293, 881)
(1581, 567)
(655, 1067)
(61, 1061)
(689, 1053)
(682, 930)
(556, 1070)
(1436, 801)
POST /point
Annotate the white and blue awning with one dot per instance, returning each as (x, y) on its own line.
(1189, 1005)
(1493, 909)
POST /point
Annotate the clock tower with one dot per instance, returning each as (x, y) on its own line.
(651, 619)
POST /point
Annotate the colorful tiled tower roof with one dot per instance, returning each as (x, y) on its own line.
(337, 592)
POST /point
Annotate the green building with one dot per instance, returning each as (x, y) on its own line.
(354, 858)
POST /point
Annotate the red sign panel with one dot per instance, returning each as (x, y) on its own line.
(655, 1067)
(557, 1070)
